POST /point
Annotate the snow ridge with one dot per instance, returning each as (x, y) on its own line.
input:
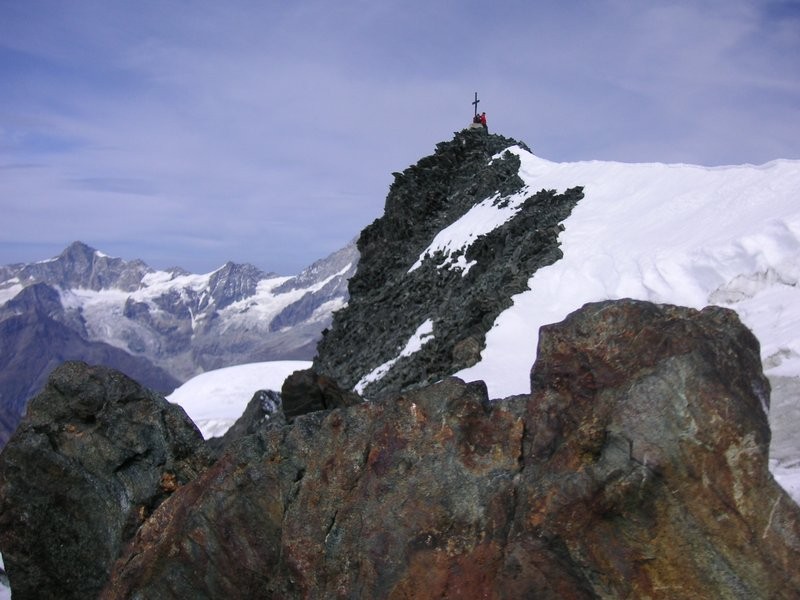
(679, 234)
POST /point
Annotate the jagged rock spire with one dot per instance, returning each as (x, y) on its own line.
(389, 301)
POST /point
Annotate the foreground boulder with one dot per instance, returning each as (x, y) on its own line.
(653, 421)
(636, 468)
(94, 456)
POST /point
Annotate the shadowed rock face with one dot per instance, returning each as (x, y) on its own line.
(636, 468)
(94, 456)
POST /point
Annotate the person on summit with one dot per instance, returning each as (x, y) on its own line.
(483, 121)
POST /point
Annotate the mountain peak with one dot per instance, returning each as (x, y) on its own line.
(78, 249)
(81, 266)
(407, 291)
(233, 282)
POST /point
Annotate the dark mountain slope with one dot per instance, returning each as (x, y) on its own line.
(389, 301)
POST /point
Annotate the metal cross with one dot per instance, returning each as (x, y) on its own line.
(475, 103)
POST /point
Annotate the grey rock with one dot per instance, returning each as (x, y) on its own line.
(388, 302)
(307, 391)
(233, 282)
(264, 409)
(95, 454)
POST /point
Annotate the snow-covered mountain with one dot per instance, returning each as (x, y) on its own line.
(161, 327)
(678, 234)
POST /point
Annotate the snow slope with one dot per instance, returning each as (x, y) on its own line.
(677, 234)
(215, 399)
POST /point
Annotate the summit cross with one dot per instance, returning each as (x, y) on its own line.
(475, 104)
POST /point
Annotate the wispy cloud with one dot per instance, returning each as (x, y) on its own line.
(193, 133)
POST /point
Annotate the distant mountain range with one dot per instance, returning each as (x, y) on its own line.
(159, 327)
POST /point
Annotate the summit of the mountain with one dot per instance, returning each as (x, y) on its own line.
(408, 289)
(234, 282)
(81, 266)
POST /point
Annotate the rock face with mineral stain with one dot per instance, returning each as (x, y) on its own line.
(637, 467)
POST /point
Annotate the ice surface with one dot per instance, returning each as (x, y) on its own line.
(215, 399)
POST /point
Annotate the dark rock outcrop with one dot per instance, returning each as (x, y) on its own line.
(265, 408)
(461, 305)
(302, 392)
(307, 391)
(636, 468)
(95, 454)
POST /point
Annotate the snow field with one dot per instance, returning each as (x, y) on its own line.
(215, 399)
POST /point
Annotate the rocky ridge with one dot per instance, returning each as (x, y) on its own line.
(447, 300)
(636, 467)
(80, 267)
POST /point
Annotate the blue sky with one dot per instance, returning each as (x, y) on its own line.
(192, 133)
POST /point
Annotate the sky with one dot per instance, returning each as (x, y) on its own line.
(193, 133)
